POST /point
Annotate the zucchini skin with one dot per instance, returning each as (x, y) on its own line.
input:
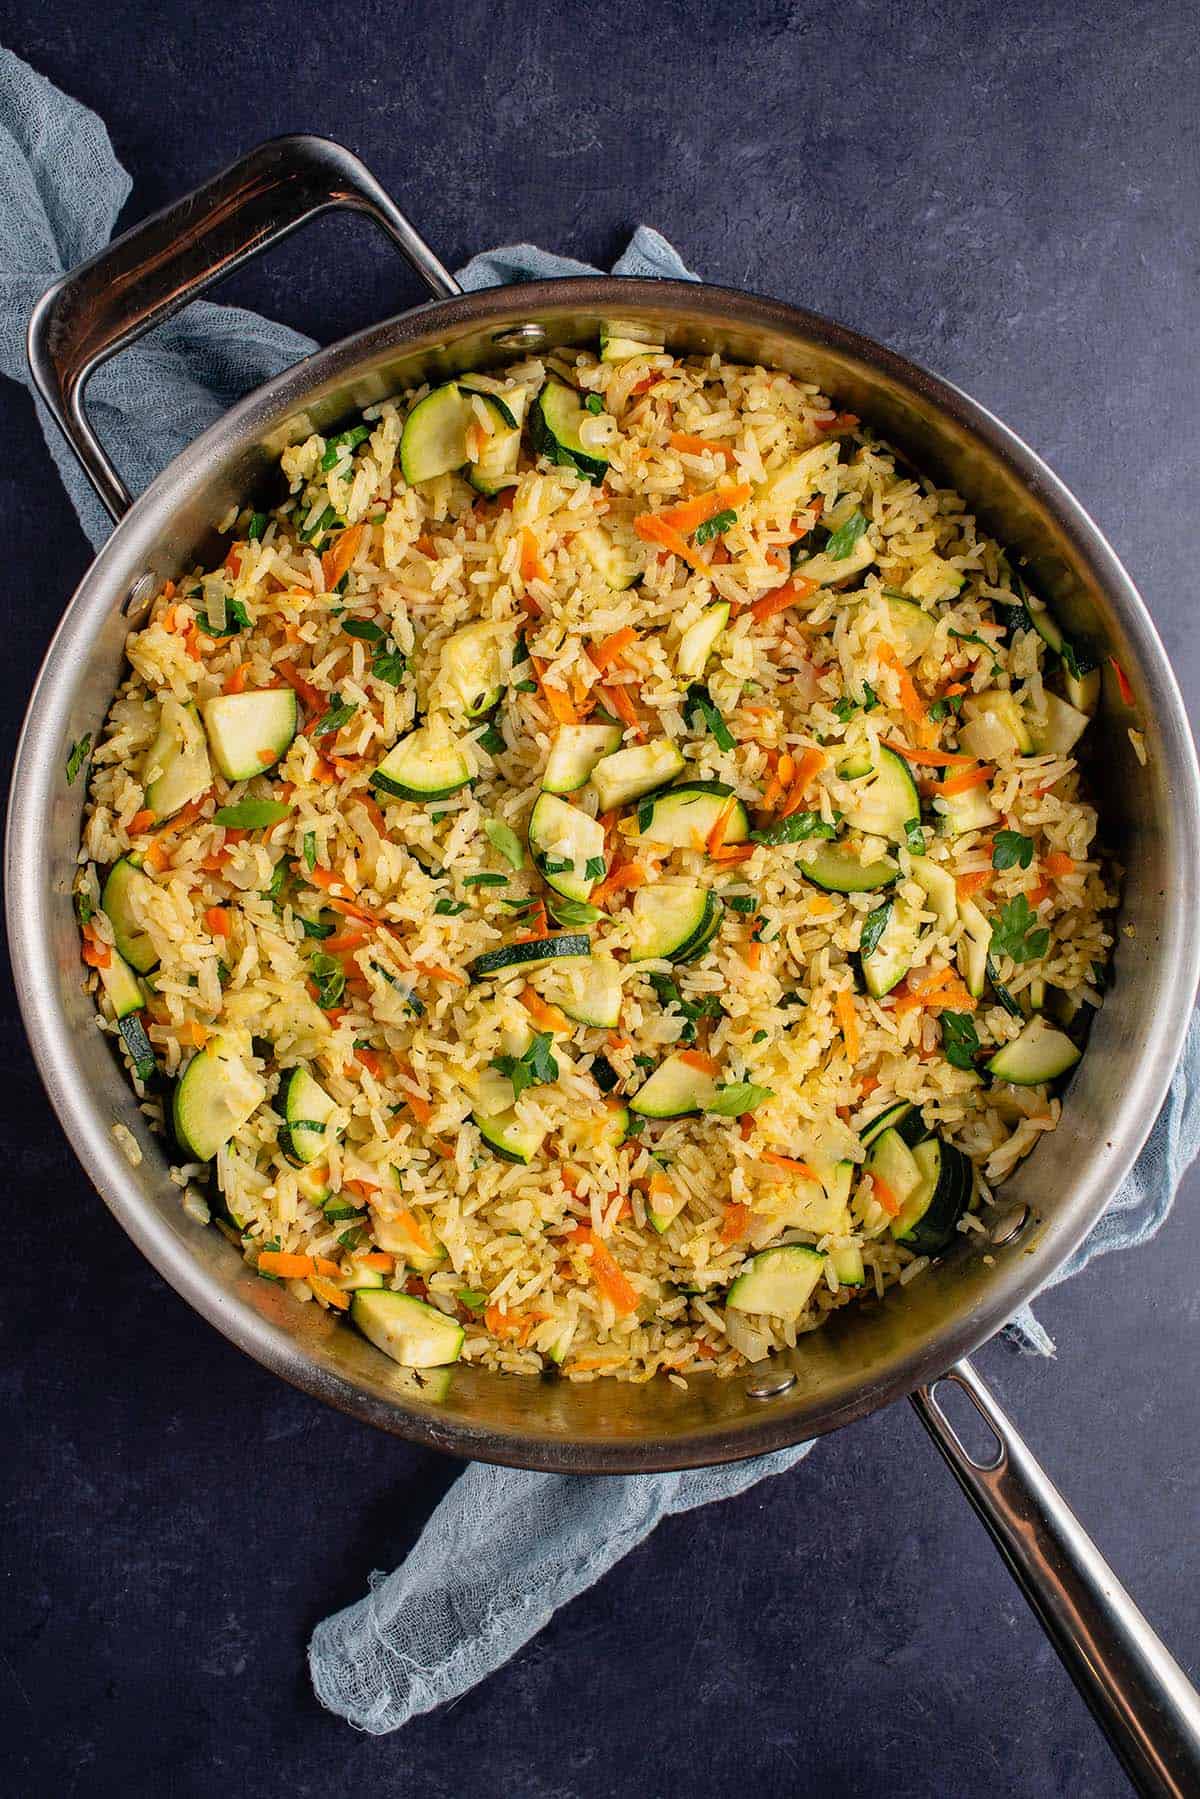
(521, 955)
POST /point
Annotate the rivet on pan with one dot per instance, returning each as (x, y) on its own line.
(1010, 1224)
(138, 599)
(521, 337)
(770, 1386)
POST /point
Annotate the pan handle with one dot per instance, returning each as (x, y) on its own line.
(1138, 1693)
(151, 271)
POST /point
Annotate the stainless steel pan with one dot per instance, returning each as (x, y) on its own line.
(868, 1355)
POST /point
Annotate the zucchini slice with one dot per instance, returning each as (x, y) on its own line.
(610, 562)
(509, 1136)
(910, 627)
(567, 846)
(847, 1263)
(628, 774)
(825, 570)
(895, 1164)
(470, 670)
(1044, 623)
(959, 813)
(997, 725)
(1083, 691)
(555, 423)
(519, 957)
(895, 944)
(619, 342)
(903, 1117)
(412, 1333)
(928, 1219)
(249, 732)
(973, 947)
(1057, 733)
(811, 1207)
(574, 754)
(683, 817)
(496, 466)
(307, 1109)
(676, 1089)
(434, 440)
(940, 890)
(665, 1203)
(778, 1282)
(1039, 1054)
(402, 1235)
(176, 768)
(429, 764)
(357, 1279)
(214, 1097)
(121, 984)
(588, 992)
(837, 869)
(887, 803)
(699, 641)
(673, 920)
(117, 903)
(138, 1045)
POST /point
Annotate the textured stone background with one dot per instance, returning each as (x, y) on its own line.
(1008, 196)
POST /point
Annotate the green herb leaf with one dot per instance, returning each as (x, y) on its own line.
(870, 697)
(314, 529)
(1015, 932)
(738, 1098)
(1077, 660)
(960, 1040)
(760, 1036)
(472, 1298)
(741, 902)
(312, 927)
(799, 828)
(84, 909)
(310, 850)
(251, 815)
(329, 978)
(343, 443)
(1011, 850)
(485, 880)
(256, 529)
(594, 868)
(844, 710)
(914, 836)
(525, 687)
(594, 404)
(535, 1068)
(715, 526)
(636, 1125)
(279, 875)
(700, 701)
(845, 537)
(504, 841)
(79, 754)
(236, 619)
(365, 628)
(492, 740)
(971, 637)
(390, 666)
(339, 714)
(449, 908)
(874, 925)
(571, 913)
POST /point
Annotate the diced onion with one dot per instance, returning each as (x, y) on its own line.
(597, 431)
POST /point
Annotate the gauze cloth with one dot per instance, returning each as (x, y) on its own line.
(504, 1549)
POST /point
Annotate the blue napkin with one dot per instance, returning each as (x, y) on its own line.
(504, 1549)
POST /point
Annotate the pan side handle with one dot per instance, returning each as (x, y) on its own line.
(153, 270)
(1138, 1693)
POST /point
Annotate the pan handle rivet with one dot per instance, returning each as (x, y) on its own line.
(138, 599)
(521, 337)
(1010, 1224)
(770, 1386)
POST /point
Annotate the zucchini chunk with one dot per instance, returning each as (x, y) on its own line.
(522, 956)
(402, 1236)
(673, 920)
(940, 890)
(1083, 691)
(117, 902)
(902, 1117)
(699, 641)
(973, 947)
(895, 1164)
(1039, 1054)
(959, 813)
(588, 992)
(778, 1282)
(575, 753)
(1057, 733)
(412, 1333)
(434, 440)
(619, 342)
(626, 775)
(996, 725)
(847, 1263)
(835, 868)
(610, 562)
(495, 468)
(825, 570)
(893, 946)
(888, 802)
(812, 1207)
(176, 768)
(683, 817)
(429, 764)
(555, 423)
(676, 1089)
(928, 1219)
(214, 1097)
(357, 1279)
(250, 732)
(121, 984)
(508, 1135)
(910, 627)
(307, 1109)
(470, 672)
(567, 846)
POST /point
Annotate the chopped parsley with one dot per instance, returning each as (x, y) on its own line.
(1010, 849)
(342, 444)
(340, 713)
(312, 927)
(329, 979)
(472, 1298)
(448, 908)
(491, 740)
(506, 843)
(84, 907)
(594, 404)
(667, 990)
(571, 913)
(741, 902)
(79, 754)
(700, 701)
(1016, 933)
(251, 815)
(365, 628)
(715, 526)
(256, 529)
(960, 1040)
(236, 619)
(874, 925)
(914, 836)
(845, 537)
(535, 1068)
(485, 880)
(738, 1098)
(390, 666)
(310, 850)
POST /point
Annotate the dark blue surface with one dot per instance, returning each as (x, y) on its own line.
(1009, 198)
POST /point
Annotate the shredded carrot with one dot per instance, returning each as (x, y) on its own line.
(716, 837)
(746, 1126)
(333, 1296)
(653, 527)
(698, 446)
(437, 973)
(141, 821)
(843, 1005)
(780, 598)
(628, 876)
(367, 1057)
(558, 701)
(733, 852)
(955, 688)
(409, 1222)
(293, 1267)
(218, 921)
(420, 1107)
(546, 1017)
(157, 857)
(532, 566)
(753, 954)
(927, 758)
(195, 1033)
(616, 1041)
(911, 703)
(314, 702)
(168, 592)
(786, 768)
(95, 952)
(790, 1163)
(966, 885)
(619, 701)
(235, 680)
(885, 1196)
(609, 1279)
(1043, 891)
(326, 879)
(233, 562)
(935, 989)
(689, 515)
(696, 1058)
(1126, 691)
(964, 780)
(806, 771)
(362, 1189)
(1056, 864)
(772, 793)
(735, 1223)
(611, 649)
(379, 1260)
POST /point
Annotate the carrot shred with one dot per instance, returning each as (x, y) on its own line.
(619, 702)
(843, 1005)
(609, 1279)
(141, 821)
(333, 1296)
(340, 555)
(696, 1058)
(966, 885)
(716, 837)
(753, 954)
(1043, 891)
(885, 1196)
(436, 972)
(928, 758)
(805, 773)
(419, 1106)
(964, 780)
(698, 446)
(1123, 686)
(735, 1222)
(194, 1033)
(287, 1266)
(733, 852)
(557, 700)
(652, 527)
(544, 1015)
(689, 515)
(378, 1259)
(911, 703)
(531, 564)
(780, 598)
(611, 649)
(1056, 864)
(790, 1163)
(368, 1058)
(96, 953)
(235, 680)
(218, 921)
(313, 701)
